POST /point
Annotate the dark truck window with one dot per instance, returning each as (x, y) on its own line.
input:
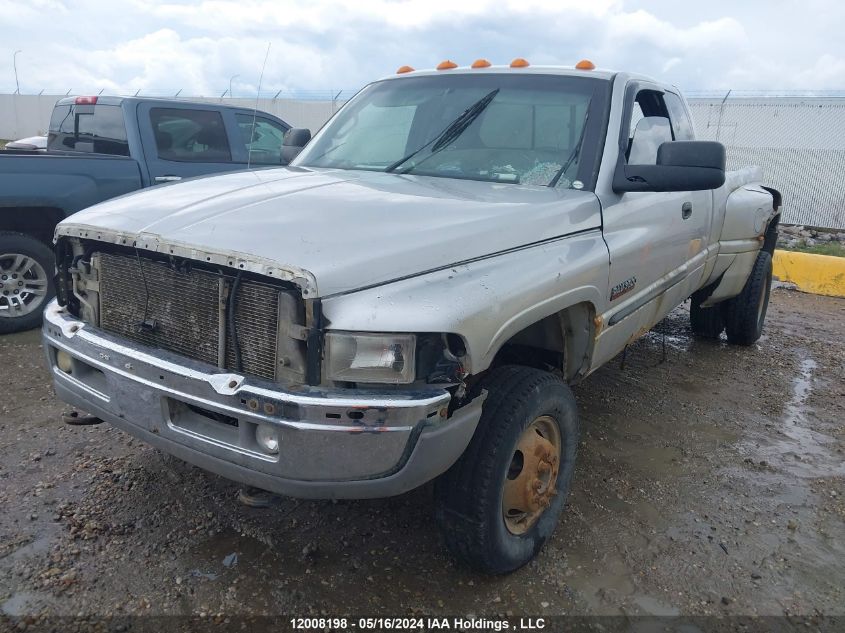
(190, 135)
(262, 139)
(88, 128)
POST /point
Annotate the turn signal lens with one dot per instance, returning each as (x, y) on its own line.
(519, 62)
(446, 64)
(404, 69)
(480, 63)
(585, 64)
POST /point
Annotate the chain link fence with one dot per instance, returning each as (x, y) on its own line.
(798, 141)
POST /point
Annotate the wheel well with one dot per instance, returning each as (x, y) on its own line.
(39, 222)
(562, 341)
(772, 230)
(777, 198)
(771, 238)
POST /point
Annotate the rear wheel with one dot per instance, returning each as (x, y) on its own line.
(746, 313)
(26, 281)
(706, 322)
(501, 500)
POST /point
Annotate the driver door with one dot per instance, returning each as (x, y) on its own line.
(656, 241)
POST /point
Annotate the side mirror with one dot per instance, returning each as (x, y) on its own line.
(295, 139)
(681, 166)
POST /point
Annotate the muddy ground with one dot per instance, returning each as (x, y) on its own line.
(711, 483)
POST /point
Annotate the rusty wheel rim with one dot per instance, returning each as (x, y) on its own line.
(530, 483)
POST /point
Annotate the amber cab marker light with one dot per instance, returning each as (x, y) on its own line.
(519, 63)
(404, 69)
(446, 64)
(585, 64)
(480, 63)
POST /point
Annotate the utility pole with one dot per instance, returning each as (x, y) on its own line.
(15, 64)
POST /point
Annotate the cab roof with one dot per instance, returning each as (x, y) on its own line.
(571, 71)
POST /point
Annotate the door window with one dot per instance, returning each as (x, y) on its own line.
(262, 139)
(83, 128)
(649, 124)
(190, 135)
(681, 125)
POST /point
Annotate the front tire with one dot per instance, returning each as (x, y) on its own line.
(26, 281)
(500, 502)
(745, 314)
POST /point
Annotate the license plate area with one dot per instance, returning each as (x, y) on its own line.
(215, 428)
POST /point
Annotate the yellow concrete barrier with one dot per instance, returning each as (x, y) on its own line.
(817, 274)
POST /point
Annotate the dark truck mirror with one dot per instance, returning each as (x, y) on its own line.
(681, 166)
(294, 141)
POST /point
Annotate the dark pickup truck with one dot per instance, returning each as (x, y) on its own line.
(102, 147)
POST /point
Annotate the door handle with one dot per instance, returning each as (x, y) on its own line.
(167, 178)
(686, 210)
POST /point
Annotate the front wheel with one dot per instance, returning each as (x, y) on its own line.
(26, 281)
(500, 502)
(746, 313)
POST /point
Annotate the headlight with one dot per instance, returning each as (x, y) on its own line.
(387, 358)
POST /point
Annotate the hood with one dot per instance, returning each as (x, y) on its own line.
(340, 230)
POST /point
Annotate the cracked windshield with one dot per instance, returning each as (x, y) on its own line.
(521, 130)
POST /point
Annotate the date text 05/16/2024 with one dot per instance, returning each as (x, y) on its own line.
(418, 624)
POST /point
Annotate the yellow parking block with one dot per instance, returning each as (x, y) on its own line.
(816, 274)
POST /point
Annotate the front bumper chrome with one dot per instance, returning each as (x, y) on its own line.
(333, 443)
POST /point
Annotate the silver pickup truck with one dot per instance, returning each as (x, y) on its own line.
(413, 296)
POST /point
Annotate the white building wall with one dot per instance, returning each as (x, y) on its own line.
(29, 115)
(799, 142)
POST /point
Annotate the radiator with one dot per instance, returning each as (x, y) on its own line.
(182, 310)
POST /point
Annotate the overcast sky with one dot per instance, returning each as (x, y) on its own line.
(161, 46)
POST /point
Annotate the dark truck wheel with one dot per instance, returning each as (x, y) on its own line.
(745, 313)
(705, 322)
(500, 502)
(26, 281)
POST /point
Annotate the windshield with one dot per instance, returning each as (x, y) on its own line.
(519, 129)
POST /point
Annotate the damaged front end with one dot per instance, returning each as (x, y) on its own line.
(219, 315)
(223, 366)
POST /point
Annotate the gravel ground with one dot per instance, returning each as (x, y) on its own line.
(709, 483)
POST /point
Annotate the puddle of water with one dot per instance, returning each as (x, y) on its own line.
(801, 387)
(798, 448)
(23, 603)
(653, 606)
(677, 342)
(597, 580)
(38, 546)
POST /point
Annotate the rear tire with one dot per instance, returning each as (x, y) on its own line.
(484, 528)
(26, 276)
(745, 314)
(706, 322)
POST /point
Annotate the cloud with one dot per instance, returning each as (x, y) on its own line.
(161, 46)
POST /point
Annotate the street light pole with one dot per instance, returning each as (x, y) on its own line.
(230, 84)
(15, 64)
